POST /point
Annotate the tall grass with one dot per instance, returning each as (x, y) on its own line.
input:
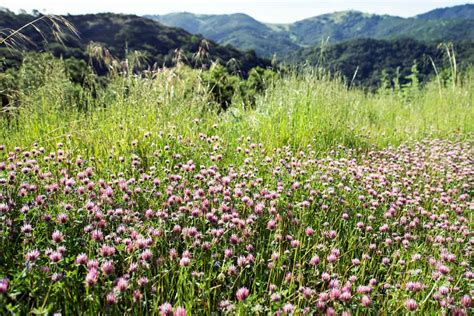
(296, 110)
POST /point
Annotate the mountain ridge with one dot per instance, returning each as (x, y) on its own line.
(267, 39)
(465, 11)
(238, 29)
(122, 32)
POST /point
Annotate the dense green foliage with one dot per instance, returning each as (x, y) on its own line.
(220, 86)
(223, 87)
(121, 34)
(368, 61)
(244, 32)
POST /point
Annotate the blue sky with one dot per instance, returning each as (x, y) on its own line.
(276, 11)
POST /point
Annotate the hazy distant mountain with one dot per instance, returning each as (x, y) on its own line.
(244, 32)
(341, 26)
(239, 30)
(458, 12)
(120, 33)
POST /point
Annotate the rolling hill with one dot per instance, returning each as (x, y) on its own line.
(458, 12)
(122, 33)
(362, 44)
(341, 26)
(244, 32)
(239, 30)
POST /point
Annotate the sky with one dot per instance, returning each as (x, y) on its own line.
(274, 11)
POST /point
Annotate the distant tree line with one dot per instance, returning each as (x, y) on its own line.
(368, 62)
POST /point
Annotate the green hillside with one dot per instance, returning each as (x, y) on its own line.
(458, 12)
(367, 61)
(122, 33)
(341, 26)
(369, 46)
(244, 32)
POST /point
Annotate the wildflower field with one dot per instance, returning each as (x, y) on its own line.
(320, 200)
